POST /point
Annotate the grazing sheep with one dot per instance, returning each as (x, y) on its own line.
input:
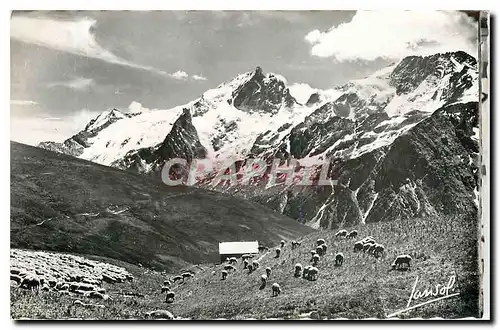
(298, 270)
(325, 247)
(378, 250)
(31, 282)
(229, 267)
(170, 297)
(368, 239)
(268, 272)
(315, 259)
(263, 248)
(160, 314)
(263, 279)
(367, 246)
(320, 242)
(282, 243)
(278, 252)
(312, 274)
(224, 274)
(313, 252)
(255, 264)
(177, 278)
(305, 272)
(250, 269)
(319, 250)
(401, 262)
(167, 283)
(352, 234)
(276, 289)
(245, 264)
(358, 246)
(65, 287)
(371, 249)
(165, 289)
(295, 244)
(339, 259)
(233, 260)
(341, 233)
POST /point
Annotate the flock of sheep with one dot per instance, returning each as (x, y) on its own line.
(67, 274)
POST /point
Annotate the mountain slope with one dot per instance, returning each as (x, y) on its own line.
(351, 129)
(61, 203)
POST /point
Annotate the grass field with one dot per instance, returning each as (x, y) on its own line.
(364, 287)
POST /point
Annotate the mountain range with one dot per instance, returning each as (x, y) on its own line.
(400, 143)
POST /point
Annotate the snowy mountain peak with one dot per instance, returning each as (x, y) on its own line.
(105, 118)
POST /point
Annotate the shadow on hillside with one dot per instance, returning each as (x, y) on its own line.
(262, 286)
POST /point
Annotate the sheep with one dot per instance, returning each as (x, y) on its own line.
(31, 282)
(315, 259)
(64, 287)
(282, 243)
(305, 272)
(177, 278)
(233, 260)
(167, 283)
(250, 269)
(295, 244)
(312, 274)
(263, 279)
(186, 275)
(325, 247)
(341, 233)
(45, 287)
(401, 261)
(165, 289)
(339, 259)
(263, 248)
(320, 242)
(255, 264)
(358, 246)
(278, 252)
(352, 234)
(276, 289)
(245, 264)
(160, 314)
(313, 252)
(378, 250)
(367, 246)
(298, 269)
(371, 249)
(268, 272)
(224, 274)
(229, 267)
(368, 239)
(319, 250)
(170, 297)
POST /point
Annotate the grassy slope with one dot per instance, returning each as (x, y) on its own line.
(361, 288)
(163, 228)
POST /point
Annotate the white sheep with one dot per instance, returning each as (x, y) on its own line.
(263, 279)
(278, 252)
(276, 289)
(320, 242)
(268, 272)
(170, 297)
(224, 274)
(298, 269)
(339, 259)
(282, 243)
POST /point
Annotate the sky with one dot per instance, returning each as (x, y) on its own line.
(67, 66)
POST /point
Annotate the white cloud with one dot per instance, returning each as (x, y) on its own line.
(179, 75)
(23, 102)
(137, 107)
(74, 37)
(79, 83)
(43, 127)
(301, 92)
(199, 77)
(395, 34)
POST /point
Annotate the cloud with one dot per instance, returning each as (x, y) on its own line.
(73, 37)
(79, 83)
(301, 92)
(135, 107)
(395, 34)
(199, 77)
(179, 75)
(23, 102)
